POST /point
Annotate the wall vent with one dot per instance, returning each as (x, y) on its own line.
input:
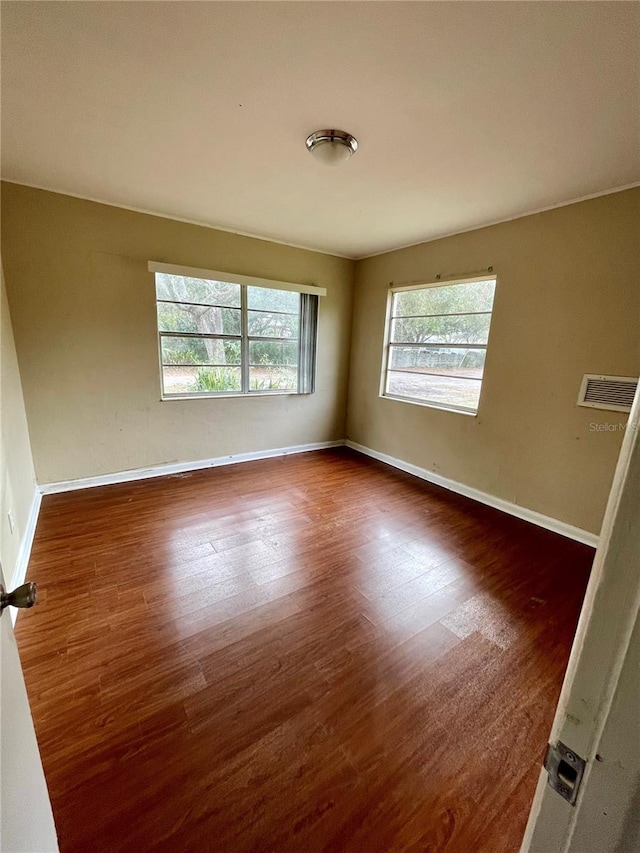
(614, 393)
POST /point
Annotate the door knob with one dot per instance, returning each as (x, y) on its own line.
(22, 596)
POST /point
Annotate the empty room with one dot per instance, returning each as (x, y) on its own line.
(320, 343)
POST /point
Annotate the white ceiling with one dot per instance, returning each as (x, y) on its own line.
(466, 113)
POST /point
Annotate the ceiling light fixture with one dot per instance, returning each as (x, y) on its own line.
(332, 147)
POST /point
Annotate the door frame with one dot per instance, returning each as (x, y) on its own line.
(601, 645)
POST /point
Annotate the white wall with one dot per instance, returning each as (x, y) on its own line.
(17, 475)
(25, 812)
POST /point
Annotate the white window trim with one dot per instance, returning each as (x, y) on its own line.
(400, 288)
(233, 278)
(307, 341)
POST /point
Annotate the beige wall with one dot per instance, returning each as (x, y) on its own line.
(17, 476)
(567, 303)
(83, 309)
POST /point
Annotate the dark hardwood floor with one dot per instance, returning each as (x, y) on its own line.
(312, 653)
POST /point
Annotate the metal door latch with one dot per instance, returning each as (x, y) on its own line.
(565, 769)
(23, 596)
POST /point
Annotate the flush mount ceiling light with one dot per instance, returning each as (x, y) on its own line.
(332, 147)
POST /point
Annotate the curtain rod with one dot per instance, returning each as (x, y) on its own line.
(460, 276)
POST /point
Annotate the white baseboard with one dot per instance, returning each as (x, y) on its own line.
(182, 467)
(179, 467)
(26, 543)
(545, 521)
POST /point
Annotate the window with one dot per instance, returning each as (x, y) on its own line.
(437, 342)
(231, 335)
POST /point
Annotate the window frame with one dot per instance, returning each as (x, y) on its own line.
(388, 344)
(306, 339)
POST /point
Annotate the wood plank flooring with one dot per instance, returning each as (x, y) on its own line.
(312, 653)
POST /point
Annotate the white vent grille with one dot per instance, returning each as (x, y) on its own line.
(614, 393)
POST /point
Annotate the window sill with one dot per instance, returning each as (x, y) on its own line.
(425, 405)
(232, 396)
